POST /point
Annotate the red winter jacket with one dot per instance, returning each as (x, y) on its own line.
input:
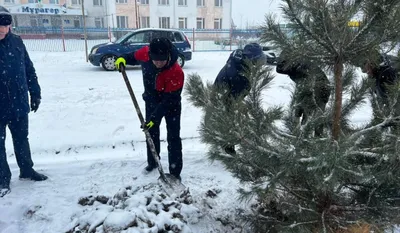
(161, 86)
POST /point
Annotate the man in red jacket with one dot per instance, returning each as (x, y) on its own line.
(163, 82)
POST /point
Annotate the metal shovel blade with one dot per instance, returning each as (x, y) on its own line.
(173, 186)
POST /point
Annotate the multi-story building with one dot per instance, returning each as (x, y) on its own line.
(126, 14)
(184, 14)
(57, 13)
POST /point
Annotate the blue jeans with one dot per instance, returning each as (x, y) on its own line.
(19, 132)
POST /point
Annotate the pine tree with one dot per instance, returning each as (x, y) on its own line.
(321, 34)
(348, 176)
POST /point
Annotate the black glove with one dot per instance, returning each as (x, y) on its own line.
(35, 102)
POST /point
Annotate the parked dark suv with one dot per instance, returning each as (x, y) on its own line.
(106, 54)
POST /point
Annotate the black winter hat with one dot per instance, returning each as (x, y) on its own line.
(253, 51)
(5, 17)
(160, 49)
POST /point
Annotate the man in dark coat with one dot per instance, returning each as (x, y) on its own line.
(383, 72)
(231, 75)
(309, 94)
(380, 68)
(17, 78)
(232, 78)
(163, 80)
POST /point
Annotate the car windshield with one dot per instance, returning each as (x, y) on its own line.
(123, 37)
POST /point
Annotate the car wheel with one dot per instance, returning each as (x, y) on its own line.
(181, 60)
(108, 62)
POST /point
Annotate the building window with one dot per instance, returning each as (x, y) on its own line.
(200, 23)
(121, 1)
(76, 2)
(55, 21)
(182, 22)
(98, 22)
(182, 2)
(97, 2)
(9, 1)
(163, 2)
(163, 22)
(122, 21)
(144, 2)
(144, 22)
(218, 3)
(32, 1)
(34, 21)
(54, 1)
(200, 3)
(77, 23)
(218, 23)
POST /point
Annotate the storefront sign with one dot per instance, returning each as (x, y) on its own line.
(44, 9)
(40, 10)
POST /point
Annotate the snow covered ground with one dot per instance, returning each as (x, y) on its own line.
(86, 138)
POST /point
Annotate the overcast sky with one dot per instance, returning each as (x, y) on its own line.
(253, 11)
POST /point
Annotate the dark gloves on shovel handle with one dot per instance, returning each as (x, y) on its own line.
(119, 63)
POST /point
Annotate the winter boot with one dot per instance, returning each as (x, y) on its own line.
(5, 189)
(32, 175)
(149, 169)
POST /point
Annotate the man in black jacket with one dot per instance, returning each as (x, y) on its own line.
(17, 78)
(312, 89)
(232, 78)
(380, 69)
(231, 75)
(383, 72)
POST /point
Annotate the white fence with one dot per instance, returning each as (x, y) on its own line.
(71, 45)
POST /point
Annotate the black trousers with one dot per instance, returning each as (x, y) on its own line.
(173, 122)
(19, 132)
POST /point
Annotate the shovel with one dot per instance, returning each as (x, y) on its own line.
(170, 184)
